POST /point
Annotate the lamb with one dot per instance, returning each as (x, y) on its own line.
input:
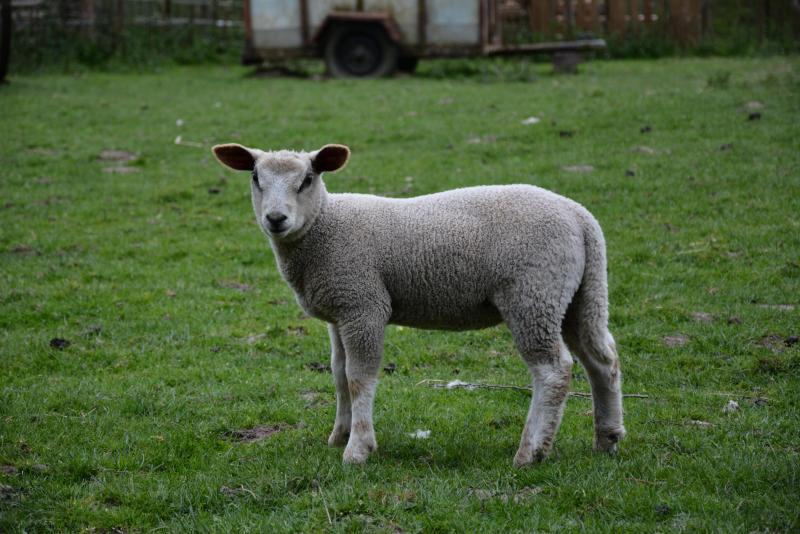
(462, 259)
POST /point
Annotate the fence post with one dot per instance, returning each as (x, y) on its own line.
(119, 17)
(87, 18)
(705, 19)
(5, 38)
(586, 16)
(795, 9)
(616, 17)
(758, 14)
(685, 20)
(633, 21)
(538, 14)
(569, 16)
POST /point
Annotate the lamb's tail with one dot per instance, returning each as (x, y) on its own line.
(587, 318)
(586, 333)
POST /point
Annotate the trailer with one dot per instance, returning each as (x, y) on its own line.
(371, 38)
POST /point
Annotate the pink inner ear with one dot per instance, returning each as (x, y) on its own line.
(331, 158)
(235, 156)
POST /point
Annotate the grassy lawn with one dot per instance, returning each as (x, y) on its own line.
(181, 333)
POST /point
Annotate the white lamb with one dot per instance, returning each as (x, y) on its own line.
(462, 259)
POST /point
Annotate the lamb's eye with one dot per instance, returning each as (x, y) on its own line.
(306, 182)
(255, 180)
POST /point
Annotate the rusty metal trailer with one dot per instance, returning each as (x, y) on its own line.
(376, 37)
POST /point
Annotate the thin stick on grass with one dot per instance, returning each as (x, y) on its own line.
(454, 384)
(740, 395)
(324, 501)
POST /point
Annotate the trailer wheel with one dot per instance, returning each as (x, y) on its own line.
(359, 51)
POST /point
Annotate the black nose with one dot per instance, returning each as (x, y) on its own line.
(276, 219)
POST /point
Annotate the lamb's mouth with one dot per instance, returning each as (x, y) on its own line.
(278, 232)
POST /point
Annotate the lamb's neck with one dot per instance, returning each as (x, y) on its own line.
(293, 255)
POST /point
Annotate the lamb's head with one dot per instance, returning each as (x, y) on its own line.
(287, 188)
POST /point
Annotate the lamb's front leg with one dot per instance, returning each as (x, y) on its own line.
(363, 343)
(341, 427)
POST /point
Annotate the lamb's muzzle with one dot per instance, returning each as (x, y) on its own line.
(462, 259)
(275, 222)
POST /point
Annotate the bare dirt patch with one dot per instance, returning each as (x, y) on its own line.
(478, 140)
(579, 168)
(121, 156)
(297, 331)
(59, 343)
(676, 340)
(238, 286)
(8, 470)
(120, 170)
(315, 399)
(8, 494)
(774, 342)
(236, 492)
(517, 497)
(42, 152)
(702, 317)
(641, 149)
(25, 250)
(779, 307)
(318, 367)
(259, 433)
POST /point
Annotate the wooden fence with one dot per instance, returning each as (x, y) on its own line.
(686, 22)
(39, 24)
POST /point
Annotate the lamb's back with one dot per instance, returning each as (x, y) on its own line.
(442, 256)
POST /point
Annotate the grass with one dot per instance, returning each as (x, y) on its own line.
(181, 330)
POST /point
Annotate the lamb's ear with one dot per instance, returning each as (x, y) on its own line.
(237, 157)
(330, 158)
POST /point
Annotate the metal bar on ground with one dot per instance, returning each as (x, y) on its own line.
(529, 48)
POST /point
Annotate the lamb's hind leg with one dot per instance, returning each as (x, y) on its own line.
(534, 308)
(599, 358)
(536, 328)
(551, 369)
(594, 346)
(341, 427)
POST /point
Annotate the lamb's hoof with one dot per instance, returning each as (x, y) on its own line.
(607, 440)
(357, 454)
(338, 437)
(524, 458)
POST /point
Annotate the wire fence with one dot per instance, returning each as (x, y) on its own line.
(135, 32)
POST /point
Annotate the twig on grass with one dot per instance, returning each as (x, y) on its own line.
(455, 384)
(324, 501)
(179, 141)
(740, 395)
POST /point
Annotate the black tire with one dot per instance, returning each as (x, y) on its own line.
(362, 51)
(407, 64)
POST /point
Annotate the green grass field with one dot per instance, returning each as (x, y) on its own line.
(181, 332)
